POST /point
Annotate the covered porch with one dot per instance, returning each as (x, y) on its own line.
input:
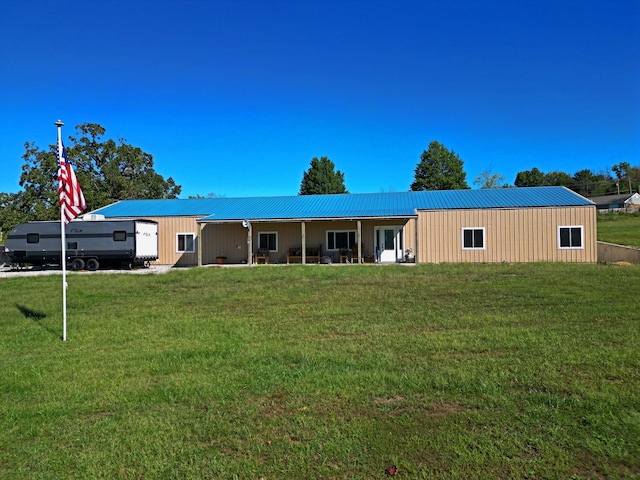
(370, 240)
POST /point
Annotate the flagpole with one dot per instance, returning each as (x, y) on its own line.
(63, 255)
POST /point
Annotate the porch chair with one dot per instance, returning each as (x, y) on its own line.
(261, 255)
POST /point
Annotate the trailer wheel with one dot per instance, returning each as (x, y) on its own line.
(77, 264)
(92, 264)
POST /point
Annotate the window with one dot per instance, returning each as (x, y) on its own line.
(72, 245)
(570, 237)
(33, 238)
(340, 239)
(473, 238)
(268, 241)
(185, 242)
(119, 236)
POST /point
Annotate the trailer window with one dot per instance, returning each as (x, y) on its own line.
(33, 238)
(72, 245)
(119, 236)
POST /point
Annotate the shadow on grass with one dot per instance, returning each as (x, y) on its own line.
(36, 316)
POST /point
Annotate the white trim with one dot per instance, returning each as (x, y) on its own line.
(581, 247)
(484, 238)
(268, 233)
(193, 243)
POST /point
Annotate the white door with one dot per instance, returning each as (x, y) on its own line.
(389, 244)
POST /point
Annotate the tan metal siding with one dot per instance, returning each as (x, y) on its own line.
(224, 240)
(511, 235)
(168, 227)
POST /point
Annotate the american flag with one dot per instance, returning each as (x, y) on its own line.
(71, 198)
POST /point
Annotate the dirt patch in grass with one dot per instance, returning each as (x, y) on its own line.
(399, 405)
(275, 406)
(388, 401)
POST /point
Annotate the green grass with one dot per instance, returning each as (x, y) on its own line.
(447, 371)
(619, 228)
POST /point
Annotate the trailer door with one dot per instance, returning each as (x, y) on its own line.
(146, 240)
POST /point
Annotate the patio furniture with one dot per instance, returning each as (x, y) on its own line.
(261, 256)
(312, 255)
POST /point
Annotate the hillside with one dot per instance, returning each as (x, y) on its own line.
(619, 228)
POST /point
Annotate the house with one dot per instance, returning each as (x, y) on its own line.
(534, 224)
(617, 203)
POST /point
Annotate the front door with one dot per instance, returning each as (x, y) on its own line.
(389, 244)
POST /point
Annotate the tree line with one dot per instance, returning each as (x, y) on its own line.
(109, 171)
(621, 178)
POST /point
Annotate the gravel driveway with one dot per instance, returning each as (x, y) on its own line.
(7, 272)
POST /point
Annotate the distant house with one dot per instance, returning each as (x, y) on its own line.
(616, 203)
(538, 224)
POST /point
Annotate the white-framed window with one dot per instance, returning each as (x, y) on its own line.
(339, 239)
(473, 238)
(268, 241)
(570, 237)
(185, 242)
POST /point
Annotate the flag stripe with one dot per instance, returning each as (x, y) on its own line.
(72, 201)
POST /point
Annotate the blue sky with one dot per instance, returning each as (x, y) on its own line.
(236, 97)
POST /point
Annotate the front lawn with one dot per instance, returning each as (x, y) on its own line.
(445, 371)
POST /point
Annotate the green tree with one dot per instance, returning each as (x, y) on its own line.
(439, 169)
(557, 178)
(107, 171)
(623, 171)
(486, 179)
(529, 178)
(584, 182)
(322, 178)
(634, 175)
(209, 195)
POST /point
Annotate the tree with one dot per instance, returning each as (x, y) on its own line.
(530, 178)
(488, 180)
(584, 181)
(107, 172)
(209, 195)
(439, 169)
(558, 178)
(322, 178)
(623, 171)
(634, 175)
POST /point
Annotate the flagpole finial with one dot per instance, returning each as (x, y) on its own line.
(58, 123)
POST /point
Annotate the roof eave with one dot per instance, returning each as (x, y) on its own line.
(307, 219)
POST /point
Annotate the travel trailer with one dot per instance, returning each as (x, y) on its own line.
(91, 242)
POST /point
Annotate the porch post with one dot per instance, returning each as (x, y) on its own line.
(199, 244)
(359, 240)
(304, 242)
(249, 244)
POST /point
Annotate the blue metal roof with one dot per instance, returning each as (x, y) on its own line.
(361, 205)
